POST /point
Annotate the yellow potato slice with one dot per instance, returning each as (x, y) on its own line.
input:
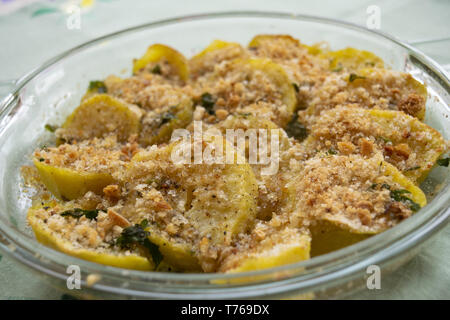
(331, 233)
(216, 202)
(260, 39)
(100, 116)
(328, 237)
(65, 183)
(414, 93)
(269, 181)
(282, 96)
(71, 170)
(285, 40)
(351, 198)
(209, 185)
(176, 253)
(427, 143)
(175, 118)
(217, 51)
(407, 143)
(277, 74)
(369, 88)
(246, 121)
(37, 218)
(280, 248)
(351, 59)
(257, 86)
(159, 53)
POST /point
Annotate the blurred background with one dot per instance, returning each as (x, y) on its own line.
(33, 31)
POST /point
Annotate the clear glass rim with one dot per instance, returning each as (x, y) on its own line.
(320, 270)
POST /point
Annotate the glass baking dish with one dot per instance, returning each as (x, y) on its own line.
(49, 93)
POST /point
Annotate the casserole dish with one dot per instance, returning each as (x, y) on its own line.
(51, 92)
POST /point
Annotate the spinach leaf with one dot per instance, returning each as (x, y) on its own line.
(444, 162)
(207, 101)
(296, 129)
(399, 195)
(78, 213)
(137, 235)
(413, 168)
(166, 117)
(331, 151)
(50, 127)
(354, 76)
(97, 86)
(156, 69)
(153, 249)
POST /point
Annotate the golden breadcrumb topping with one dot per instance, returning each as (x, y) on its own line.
(343, 136)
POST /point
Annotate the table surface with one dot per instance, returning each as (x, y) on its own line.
(33, 31)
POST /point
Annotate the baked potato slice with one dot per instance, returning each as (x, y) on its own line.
(351, 59)
(50, 229)
(255, 85)
(71, 170)
(246, 121)
(261, 39)
(160, 131)
(333, 233)
(158, 54)
(280, 248)
(214, 202)
(407, 143)
(284, 40)
(216, 52)
(177, 253)
(425, 142)
(368, 88)
(66, 183)
(351, 198)
(278, 76)
(414, 95)
(100, 116)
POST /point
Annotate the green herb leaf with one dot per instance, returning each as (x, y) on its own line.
(50, 128)
(166, 117)
(296, 87)
(97, 86)
(153, 249)
(385, 186)
(156, 69)
(78, 213)
(413, 168)
(136, 235)
(444, 162)
(386, 140)
(144, 223)
(207, 101)
(399, 196)
(296, 129)
(354, 77)
(331, 151)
